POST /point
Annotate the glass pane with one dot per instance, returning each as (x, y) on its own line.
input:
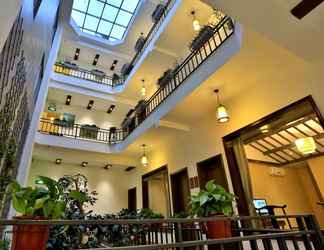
(104, 27)
(130, 5)
(95, 8)
(80, 5)
(78, 17)
(116, 3)
(110, 13)
(91, 23)
(123, 18)
(88, 32)
(117, 32)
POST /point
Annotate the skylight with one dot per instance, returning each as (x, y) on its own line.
(108, 19)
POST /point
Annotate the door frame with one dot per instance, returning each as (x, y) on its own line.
(242, 205)
(188, 182)
(145, 190)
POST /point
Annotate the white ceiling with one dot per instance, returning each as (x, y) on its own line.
(273, 19)
(58, 96)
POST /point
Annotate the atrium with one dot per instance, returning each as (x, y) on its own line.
(161, 124)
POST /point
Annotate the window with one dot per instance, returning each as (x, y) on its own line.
(37, 4)
(108, 19)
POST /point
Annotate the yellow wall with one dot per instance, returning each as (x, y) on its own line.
(317, 167)
(285, 190)
(295, 189)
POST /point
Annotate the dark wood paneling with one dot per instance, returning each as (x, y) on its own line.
(180, 191)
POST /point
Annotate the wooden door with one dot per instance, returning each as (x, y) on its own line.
(132, 201)
(212, 169)
(180, 191)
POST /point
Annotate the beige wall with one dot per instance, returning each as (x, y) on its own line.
(112, 185)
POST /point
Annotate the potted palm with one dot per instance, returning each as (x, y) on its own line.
(41, 202)
(214, 200)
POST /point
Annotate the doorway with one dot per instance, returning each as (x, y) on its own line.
(156, 191)
(212, 169)
(132, 201)
(264, 159)
(180, 191)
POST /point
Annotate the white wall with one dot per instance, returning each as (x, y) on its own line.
(111, 185)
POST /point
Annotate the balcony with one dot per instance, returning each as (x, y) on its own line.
(180, 81)
(115, 81)
(126, 234)
(82, 132)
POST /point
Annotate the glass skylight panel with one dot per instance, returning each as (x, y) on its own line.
(105, 18)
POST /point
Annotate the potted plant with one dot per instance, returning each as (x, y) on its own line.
(214, 201)
(35, 204)
(205, 33)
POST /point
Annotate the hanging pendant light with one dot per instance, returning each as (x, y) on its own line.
(195, 22)
(306, 145)
(144, 159)
(143, 89)
(222, 115)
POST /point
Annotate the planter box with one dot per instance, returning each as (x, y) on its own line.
(204, 35)
(126, 69)
(166, 78)
(158, 12)
(89, 131)
(27, 237)
(139, 44)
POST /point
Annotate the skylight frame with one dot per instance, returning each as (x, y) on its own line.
(114, 24)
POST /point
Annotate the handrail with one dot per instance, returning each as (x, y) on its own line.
(84, 132)
(85, 74)
(184, 233)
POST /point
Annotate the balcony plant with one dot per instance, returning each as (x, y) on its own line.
(41, 202)
(205, 33)
(214, 200)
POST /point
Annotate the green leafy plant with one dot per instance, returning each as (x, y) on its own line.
(181, 215)
(44, 201)
(213, 200)
(4, 244)
(147, 213)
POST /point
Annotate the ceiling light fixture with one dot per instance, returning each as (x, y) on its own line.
(144, 159)
(84, 164)
(90, 104)
(265, 129)
(58, 161)
(195, 23)
(95, 60)
(222, 115)
(68, 99)
(306, 145)
(107, 166)
(77, 54)
(111, 108)
(143, 89)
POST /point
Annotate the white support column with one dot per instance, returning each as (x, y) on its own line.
(26, 157)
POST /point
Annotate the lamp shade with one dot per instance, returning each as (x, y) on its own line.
(143, 91)
(144, 161)
(306, 145)
(222, 115)
(196, 25)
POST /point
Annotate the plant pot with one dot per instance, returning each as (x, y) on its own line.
(219, 229)
(29, 237)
